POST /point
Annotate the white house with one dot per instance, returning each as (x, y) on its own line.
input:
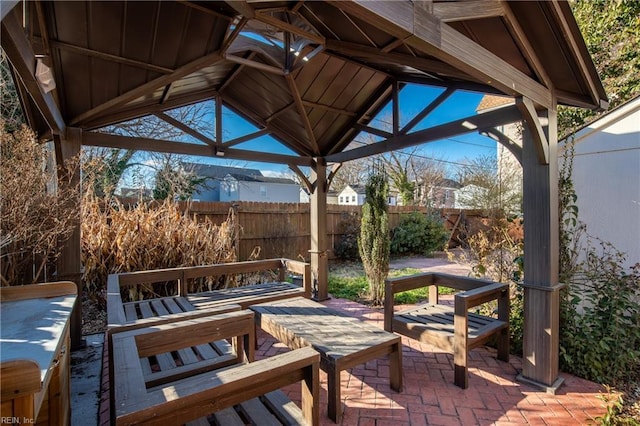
(355, 195)
(239, 187)
(468, 196)
(606, 177)
(214, 174)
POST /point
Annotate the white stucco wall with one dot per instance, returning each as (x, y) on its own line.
(269, 192)
(606, 175)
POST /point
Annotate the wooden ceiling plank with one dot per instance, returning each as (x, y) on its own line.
(527, 108)
(205, 10)
(524, 44)
(242, 7)
(570, 37)
(367, 52)
(357, 27)
(254, 64)
(395, 18)
(328, 108)
(188, 130)
(297, 99)
(148, 87)
(18, 50)
(280, 111)
(501, 116)
(427, 110)
(246, 138)
(462, 11)
(287, 27)
(109, 57)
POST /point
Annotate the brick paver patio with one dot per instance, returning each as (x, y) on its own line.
(430, 397)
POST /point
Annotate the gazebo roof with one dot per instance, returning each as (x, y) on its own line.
(311, 74)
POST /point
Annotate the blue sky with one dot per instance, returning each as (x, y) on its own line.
(413, 98)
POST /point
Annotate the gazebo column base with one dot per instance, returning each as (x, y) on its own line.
(552, 389)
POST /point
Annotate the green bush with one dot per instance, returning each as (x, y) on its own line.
(420, 234)
(347, 246)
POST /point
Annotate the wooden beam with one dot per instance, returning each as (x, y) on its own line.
(242, 7)
(280, 111)
(328, 108)
(297, 99)
(505, 141)
(230, 38)
(218, 119)
(395, 105)
(302, 177)
(373, 131)
(146, 109)
(379, 55)
(498, 117)
(234, 73)
(525, 46)
(148, 87)
(157, 145)
(532, 120)
(253, 64)
(332, 173)
(462, 11)
(246, 138)
(20, 54)
(109, 57)
(427, 110)
(188, 130)
(287, 27)
(426, 33)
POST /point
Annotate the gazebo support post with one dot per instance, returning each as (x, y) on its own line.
(541, 248)
(69, 263)
(319, 258)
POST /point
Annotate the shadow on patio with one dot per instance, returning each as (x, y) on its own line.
(429, 395)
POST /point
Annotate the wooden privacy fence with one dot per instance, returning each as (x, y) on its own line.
(282, 229)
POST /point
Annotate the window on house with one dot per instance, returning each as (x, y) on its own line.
(263, 191)
(353, 198)
(341, 199)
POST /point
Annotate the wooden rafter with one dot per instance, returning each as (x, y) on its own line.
(462, 11)
(242, 7)
(332, 173)
(525, 45)
(109, 57)
(287, 27)
(395, 107)
(373, 131)
(145, 88)
(379, 55)
(129, 113)
(505, 141)
(254, 64)
(328, 108)
(282, 110)
(287, 139)
(188, 130)
(528, 110)
(424, 31)
(234, 73)
(481, 122)
(231, 37)
(218, 120)
(18, 50)
(156, 145)
(427, 110)
(297, 99)
(246, 138)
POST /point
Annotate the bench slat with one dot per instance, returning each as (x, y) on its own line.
(253, 409)
(229, 417)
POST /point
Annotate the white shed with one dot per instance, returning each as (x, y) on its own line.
(606, 176)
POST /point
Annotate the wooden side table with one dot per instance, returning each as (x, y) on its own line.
(34, 353)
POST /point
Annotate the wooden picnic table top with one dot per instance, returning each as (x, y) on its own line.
(333, 333)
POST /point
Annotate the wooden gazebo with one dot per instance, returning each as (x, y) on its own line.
(313, 74)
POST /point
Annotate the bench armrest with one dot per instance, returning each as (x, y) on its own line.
(200, 395)
(301, 268)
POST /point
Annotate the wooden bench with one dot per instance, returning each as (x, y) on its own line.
(451, 328)
(188, 389)
(120, 313)
(343, 341)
